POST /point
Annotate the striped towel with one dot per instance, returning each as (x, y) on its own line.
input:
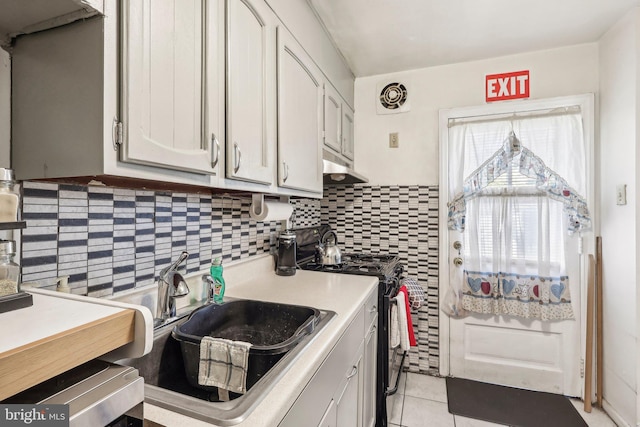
(223, 364)
(394, 339)
(403, 329)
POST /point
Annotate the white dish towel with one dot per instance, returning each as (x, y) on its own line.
(403, 329)
(393, 325)
(223, 364)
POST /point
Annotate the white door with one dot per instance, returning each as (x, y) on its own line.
(348, 402)
(332, 118)
(507, 349)
(251, 81)
(299, 117)
(347, 132)
(329, 417)
(163, 86)
(369, 376)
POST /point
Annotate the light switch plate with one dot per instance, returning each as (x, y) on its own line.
(394, 140)
(621, 194)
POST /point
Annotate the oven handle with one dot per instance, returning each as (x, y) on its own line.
(393, 390)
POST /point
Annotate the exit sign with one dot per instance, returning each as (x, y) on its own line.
(501, 87)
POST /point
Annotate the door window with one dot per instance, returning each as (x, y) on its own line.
(515, 211)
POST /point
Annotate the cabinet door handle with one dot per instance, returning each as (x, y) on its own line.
(353, 372)
(373, 329)
(215, 151)
(373, 309)
(238, 157)
(286, 171)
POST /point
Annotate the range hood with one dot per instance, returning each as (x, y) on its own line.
(337, 172)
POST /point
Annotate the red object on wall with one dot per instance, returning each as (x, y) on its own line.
(501, 87)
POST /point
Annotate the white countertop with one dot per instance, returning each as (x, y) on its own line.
(342, 293)
(61, 331)
(47, 316)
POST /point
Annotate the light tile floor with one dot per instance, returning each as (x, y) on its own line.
(421, 400)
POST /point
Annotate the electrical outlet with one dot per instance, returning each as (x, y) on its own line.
(272, 238)
(394, 140)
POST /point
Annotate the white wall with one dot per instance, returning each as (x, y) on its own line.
(558, 72)
(5, 109)
(608, 68)
(618, 139)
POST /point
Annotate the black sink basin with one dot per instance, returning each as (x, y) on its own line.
(273, 329)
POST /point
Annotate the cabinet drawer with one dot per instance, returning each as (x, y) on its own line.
(309, 408)
(370, 310)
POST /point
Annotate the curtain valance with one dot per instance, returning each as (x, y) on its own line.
(531, 166)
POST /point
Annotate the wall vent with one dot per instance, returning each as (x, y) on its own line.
(392, 97)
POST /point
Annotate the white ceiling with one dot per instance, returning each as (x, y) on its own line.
(383, 36)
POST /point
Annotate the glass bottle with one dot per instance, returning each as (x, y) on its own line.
(9, 270)
(9, 196)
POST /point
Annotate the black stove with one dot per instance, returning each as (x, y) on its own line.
(388, 269)
(381, 266)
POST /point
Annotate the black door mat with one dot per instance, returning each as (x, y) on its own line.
(510, 406)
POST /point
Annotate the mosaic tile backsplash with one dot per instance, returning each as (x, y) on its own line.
(109, 240)
(400, 220)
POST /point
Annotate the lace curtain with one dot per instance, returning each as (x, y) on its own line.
(515, 196)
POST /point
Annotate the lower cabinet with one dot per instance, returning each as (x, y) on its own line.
(369, 375)
(342, 391)
(349, 400)
(329, 417)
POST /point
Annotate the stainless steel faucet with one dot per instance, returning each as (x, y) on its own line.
(171, 285)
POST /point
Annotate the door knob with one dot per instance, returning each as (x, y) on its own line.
(457, 261)
(457, 245)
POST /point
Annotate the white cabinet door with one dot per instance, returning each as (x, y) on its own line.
(299, 117)
(332, 118)
(347, 132)
(348, 402)
(162, 93)
(369, 377)
(329, 417)
(250, 91)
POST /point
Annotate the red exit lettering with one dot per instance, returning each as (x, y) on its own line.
(500, 87)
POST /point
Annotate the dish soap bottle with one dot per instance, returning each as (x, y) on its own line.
(218, 286)
(63, 284)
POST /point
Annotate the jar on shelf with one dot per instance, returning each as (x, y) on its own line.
(9, 196)
(9, 270)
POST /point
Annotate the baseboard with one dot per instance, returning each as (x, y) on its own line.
(613, 414)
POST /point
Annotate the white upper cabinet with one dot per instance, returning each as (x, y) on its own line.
(163, 86)
(347, 132)
(251, 82)
(196, 92)
(299, 117)
(338, 123)
(332, 118)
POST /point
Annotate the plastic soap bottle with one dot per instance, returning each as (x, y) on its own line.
(63, 284)
(218, 287)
